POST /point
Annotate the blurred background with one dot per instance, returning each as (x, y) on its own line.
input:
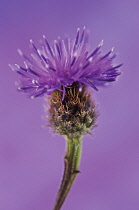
(31, 157)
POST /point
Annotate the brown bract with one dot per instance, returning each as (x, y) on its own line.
(75, 115)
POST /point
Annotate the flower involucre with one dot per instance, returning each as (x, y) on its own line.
(75, 115)
(58, 66)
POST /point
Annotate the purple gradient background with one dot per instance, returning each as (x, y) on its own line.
(31, 158)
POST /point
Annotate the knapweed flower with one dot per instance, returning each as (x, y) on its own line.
(58, 66)
(65, 70)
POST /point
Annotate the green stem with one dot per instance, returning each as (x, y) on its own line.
(71, 161)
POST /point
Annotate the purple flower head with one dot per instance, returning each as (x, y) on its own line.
(60, 65)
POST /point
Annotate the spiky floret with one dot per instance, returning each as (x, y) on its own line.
(75, 115)
(64, 63)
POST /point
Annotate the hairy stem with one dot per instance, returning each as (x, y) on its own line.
(71, 161)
